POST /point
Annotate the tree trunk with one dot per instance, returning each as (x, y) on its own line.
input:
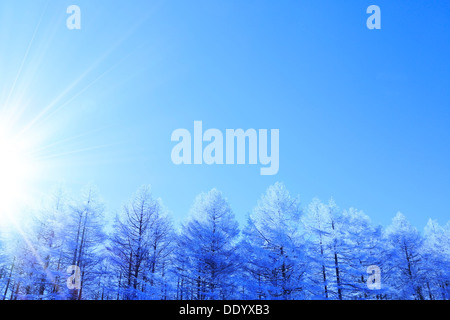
(9, 279)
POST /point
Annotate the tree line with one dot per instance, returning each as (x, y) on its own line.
(284, 251)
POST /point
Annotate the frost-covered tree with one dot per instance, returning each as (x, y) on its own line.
(49, 233)
(436, 255)
(407, 264)
(85, 240)
(141, 247)
(341, 245)
(10, 271)
(316, 223)
(26, 269)
(105, 283)
(3, 262)
(272, 248)
(359, 247)
(282, 254)
(207, 259)
(325, 225)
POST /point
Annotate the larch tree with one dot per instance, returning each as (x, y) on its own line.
(341, 244)
(141, 247)
(316, 225)
(85, 240)
(207, 254)
(436, 255)
(360, 248)
(283, 253)
(272, 247)
(49, 240)
(408, 272)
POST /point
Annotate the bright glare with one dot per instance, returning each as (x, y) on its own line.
(15, 172)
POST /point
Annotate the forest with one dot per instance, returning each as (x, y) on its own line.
(69, 250)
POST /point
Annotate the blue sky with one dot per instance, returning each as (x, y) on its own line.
(363, 114)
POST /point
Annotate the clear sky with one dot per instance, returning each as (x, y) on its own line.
(363, 114)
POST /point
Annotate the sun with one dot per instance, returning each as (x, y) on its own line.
(16, 171)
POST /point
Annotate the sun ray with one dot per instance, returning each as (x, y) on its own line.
(54, 106)
(25, 57)
(28, 152)
(34, 252)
